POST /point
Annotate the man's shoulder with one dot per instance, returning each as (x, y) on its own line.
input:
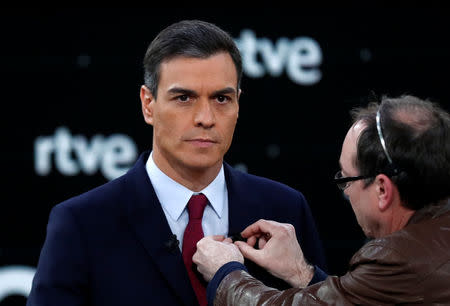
(261, 186)
(106, 195)
(256, 179)
(423, 233)
(98, 200)
(425, 241)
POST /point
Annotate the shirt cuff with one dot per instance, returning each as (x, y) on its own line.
(318, 276)
(219, 276)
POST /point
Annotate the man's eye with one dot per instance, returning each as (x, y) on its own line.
(222, 99)
(183, 98)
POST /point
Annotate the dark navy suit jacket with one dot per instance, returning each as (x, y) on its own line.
(108, 246)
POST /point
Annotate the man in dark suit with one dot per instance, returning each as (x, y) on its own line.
(131, 241)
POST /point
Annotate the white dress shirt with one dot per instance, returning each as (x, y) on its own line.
(174, 198)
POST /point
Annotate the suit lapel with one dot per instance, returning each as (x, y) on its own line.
(149, 222)
(243, 210)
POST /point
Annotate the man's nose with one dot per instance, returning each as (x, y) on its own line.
(204, 114)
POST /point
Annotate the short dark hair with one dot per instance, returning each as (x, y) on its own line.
(188, 38)
(417, 138)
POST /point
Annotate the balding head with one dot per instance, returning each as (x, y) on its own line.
(417, 137)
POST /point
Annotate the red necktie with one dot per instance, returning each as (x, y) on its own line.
(192, 234)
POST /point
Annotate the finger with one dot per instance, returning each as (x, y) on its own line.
(252, 229)
(260, 227)
(195, 258)
(218, 237)
(249, 252)
(262, 242)
(228, 240)
(200, 270)
(251, 241)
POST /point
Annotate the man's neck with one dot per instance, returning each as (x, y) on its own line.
(400, 218)
(195, 179)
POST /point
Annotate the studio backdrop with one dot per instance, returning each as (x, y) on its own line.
(71, 113)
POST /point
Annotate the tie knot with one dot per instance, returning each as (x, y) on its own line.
(196, 206)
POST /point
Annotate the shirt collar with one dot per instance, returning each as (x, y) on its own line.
(174, 197)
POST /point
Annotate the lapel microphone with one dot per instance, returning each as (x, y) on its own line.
(172, 244)
(237, 237)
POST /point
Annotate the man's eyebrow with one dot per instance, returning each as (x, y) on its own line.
(225, 91)
(189, 92)
(180, 90)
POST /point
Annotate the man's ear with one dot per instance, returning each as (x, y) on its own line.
(385, 189)
(147, 100)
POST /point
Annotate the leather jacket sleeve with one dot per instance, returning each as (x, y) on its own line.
(240, 288)
(377, 276)
(410, 266)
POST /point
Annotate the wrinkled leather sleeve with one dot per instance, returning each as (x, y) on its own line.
(240, 288)
(408, 267)
(386, 280)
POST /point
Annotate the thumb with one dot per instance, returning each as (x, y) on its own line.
(218, 237)
(248, 251)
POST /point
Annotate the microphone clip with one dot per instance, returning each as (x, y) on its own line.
(172, 244)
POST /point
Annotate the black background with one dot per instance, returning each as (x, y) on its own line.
(380, 51)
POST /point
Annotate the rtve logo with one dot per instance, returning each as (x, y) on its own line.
(15, 280)
(300, 57)
(73, 154)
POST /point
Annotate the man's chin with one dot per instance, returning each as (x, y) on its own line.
(204, 165)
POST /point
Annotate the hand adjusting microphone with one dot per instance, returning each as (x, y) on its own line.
(237, 237)
(172, 244)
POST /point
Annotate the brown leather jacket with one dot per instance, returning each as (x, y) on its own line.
(410, 266)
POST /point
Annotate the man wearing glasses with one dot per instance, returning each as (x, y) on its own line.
(395, 171)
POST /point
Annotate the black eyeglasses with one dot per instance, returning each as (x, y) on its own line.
(344, 181)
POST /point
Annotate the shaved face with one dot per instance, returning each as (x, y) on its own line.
(194, 114)
(363, 199)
